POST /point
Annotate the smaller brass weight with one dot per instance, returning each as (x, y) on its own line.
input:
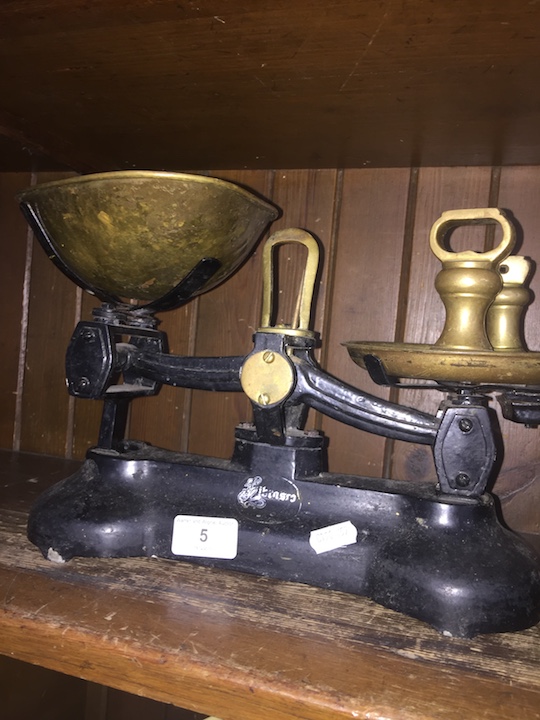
(469, 281)
(505, 315)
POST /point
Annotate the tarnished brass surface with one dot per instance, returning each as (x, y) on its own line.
(137, 234)
(301, 321)
(469, 281)
(469, 284)
(267, 377)
(429, 362)
(504, 322)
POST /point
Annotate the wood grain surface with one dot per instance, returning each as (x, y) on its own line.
(342, 114)
(52, 313)
(369, 245)
(227, 318)
(241, 647)
(260, 84)
(14, 246)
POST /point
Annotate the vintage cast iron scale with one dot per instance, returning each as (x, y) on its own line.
(437, 553)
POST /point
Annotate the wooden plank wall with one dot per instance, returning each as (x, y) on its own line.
(377, 283)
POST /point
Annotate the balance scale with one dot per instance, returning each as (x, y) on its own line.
(436, 552)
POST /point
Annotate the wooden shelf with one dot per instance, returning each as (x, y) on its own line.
(236, 646)
(265, 84)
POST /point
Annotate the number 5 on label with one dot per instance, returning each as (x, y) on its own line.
(210, 537)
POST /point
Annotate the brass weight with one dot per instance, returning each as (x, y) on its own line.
(485, 297)
(505, 315)
(469, 281)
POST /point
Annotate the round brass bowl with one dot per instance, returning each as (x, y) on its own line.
(429, 362)
(138, 234)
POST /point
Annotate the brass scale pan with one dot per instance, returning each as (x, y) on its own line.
(153, 237)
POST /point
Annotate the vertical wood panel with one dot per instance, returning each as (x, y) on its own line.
(50, 324)
(163, 419)
(124, 706)
(30, 692)
(364, 302)
(227, 318)
(439, 189)
(308, 199)
(13, 242)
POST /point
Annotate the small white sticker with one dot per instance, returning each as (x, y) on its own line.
(333, 537)
(210, 537)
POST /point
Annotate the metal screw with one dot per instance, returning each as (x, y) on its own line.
(462, 480)
(263, 399)
(465, 425)
(268, 356)
(83, 383)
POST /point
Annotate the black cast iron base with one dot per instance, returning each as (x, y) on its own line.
(269, 511)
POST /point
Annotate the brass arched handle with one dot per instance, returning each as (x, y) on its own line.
(473, 216)
(300, 324)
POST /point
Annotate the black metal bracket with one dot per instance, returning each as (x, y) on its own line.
(103, 351)
(521, 406)
(98, 354)
(465, 452)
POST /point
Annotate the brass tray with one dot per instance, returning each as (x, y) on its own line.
(429, 362)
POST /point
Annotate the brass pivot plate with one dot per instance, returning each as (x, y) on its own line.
(267, 377)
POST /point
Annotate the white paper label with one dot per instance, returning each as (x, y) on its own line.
(210, 537)
(333, 537)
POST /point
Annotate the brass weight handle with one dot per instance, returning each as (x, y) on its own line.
(451, 219)
(469, 281)
(301, 321)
